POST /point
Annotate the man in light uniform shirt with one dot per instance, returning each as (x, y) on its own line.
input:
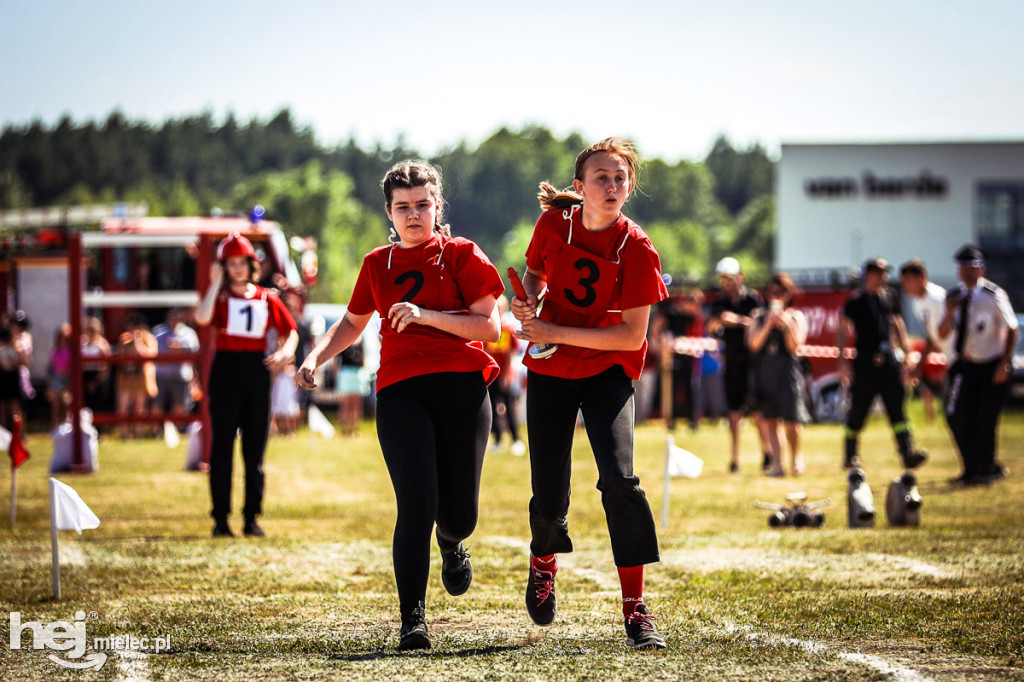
(928, 306)
(983, 329)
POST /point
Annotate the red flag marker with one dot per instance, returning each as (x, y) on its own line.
(19, 455)
(17, 450)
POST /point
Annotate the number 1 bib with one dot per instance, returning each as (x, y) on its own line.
(247, 317)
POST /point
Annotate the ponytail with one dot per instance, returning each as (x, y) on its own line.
(550, 198)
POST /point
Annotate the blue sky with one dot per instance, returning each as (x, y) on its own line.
(670, 75)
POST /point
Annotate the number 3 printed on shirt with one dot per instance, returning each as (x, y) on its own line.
(586, 282)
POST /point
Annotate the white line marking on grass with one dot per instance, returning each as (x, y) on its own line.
(504, 541)
(912, 565)
(132, 666)
(894, 670)
(601, 578)
(898, 672)
(70, 555)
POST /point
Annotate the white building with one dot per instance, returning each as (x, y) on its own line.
(839, 204)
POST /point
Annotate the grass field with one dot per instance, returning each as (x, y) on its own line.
(736, 599)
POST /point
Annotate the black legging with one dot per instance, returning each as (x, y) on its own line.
(239, 397)
(433, 433)
(607, 404)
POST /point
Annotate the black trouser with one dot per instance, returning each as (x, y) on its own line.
(685, 385)
(870, 381)
(433, 433)
(973, 404)
(239, 396)
(607, 404)
(500, 395)
(737, 377)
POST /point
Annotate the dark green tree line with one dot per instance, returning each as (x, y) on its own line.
(695, 212)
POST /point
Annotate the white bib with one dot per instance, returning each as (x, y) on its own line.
(247, 317)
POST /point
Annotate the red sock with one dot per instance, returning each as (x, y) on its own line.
(632, 580)
(545, 563)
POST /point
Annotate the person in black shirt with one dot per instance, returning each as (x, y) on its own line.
(730, 318)
(681, 316)
(872, 313)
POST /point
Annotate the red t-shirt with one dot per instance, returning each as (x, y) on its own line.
(577, 282)
(242, 323)
(444, 274)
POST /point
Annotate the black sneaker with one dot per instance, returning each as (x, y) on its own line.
(640, 633)
(221, 529)
(766, 463)
(733, 467)
(914, 458)
(456, 570)
(541, 603)
(413, 634)
(253, 529)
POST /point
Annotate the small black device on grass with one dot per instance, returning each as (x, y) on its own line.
(796, 512)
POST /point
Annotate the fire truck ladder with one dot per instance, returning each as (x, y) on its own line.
(78, 300)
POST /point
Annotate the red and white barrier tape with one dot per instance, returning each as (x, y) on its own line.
(696, 346)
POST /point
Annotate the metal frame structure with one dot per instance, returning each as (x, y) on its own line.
(78, 300)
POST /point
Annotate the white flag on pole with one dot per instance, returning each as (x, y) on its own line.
(70, 512)
(171, 436)
(319, 423)
(682, 462)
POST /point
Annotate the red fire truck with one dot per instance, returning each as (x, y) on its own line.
(132, 265)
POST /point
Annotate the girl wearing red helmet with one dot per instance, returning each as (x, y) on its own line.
(239, 387)
(437, 295)
(598, 275)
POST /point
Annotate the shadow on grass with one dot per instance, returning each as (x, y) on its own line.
(950, 487)
(126, 539)
(431, 653)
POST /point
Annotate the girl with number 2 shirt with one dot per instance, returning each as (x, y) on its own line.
(598, 275)
(239, 388)
(437, 296)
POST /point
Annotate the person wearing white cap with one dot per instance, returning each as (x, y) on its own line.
(731, 315)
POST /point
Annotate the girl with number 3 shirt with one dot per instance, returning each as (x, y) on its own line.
(437, 295)
(598, 275)
(239, 388)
